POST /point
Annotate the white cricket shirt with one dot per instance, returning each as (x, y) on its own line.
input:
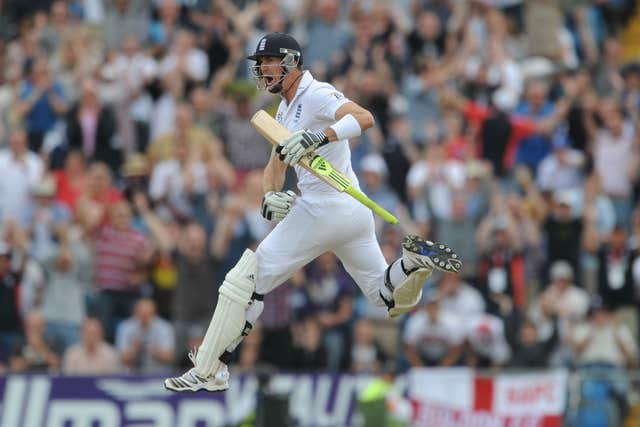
(314, 108)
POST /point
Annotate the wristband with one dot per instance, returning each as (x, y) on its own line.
(346, 128)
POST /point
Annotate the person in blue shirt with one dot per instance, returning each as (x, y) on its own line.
(41, 103)
(533, 149)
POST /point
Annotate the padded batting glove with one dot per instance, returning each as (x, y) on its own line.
(277, 204)
(300, 143)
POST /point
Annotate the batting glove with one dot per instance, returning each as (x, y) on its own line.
(277, 204)
(300, 143)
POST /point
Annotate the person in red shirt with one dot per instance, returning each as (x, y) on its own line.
(99, 194)
(71, 181)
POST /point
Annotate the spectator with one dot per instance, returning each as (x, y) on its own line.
(41, 102)
(528, 348)
(501, 274)
(118, 250)
(200, 143)
(366, 354)
(603, 340)
(613, 145)
(309, 352)
(92, 355)
(145, 341)
(567, 303)
(324, 24)
(20, 170)
(91, 127)
(433, 336)
(245, 148)
(97, 196)
(616, 284)
(35, 354)
(71, 181)
(532, 149)
(10, 318)
(459, 297)
(196, 293)
(329, 297)
(68, 269)
(123, 18)
(185, 58)
(563, 231)
(486, 342)
(562, 168)
(177, 181)
(46, 218)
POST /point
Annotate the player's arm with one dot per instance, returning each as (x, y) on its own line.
(350, 121)
(276, 203)
(274, 174)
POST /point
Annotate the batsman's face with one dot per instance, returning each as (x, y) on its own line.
(270, 69)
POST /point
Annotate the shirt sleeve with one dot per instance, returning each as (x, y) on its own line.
(328, 100)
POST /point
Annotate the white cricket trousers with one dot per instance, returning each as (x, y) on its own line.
(318, 223)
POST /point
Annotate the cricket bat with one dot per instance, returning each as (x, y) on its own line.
(274, 132)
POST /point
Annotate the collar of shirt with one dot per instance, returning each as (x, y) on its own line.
(305, 82)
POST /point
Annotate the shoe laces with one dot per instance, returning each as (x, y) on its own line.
(193, 353)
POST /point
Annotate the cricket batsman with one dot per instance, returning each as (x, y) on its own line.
(321, 119)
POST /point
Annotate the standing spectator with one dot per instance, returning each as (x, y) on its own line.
(328, 292)
(196, 294)
(20, 171)
(616, 284)
(41, 103)
(562, 169)
(186, 58)
(564, 232)
(97, 196)
(119, 249)
(35, 354)
(124, 18)
(532, 149)
(67, 269)
(528, 348)
(245, 148)
(613, 144)
(71, 180)
(433, 336)
(201, 144)
(175, 182)
(145, 341)
(47, 217)
(324, 24)
(92, 355)
(132, 71)
(10, 318)
(91, 127)
(501, 274)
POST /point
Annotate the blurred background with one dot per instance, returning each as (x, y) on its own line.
(130, 182)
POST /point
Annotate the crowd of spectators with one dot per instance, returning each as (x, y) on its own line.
(130, 181)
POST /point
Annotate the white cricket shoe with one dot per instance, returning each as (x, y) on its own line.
(192, 381)
(420, 257)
